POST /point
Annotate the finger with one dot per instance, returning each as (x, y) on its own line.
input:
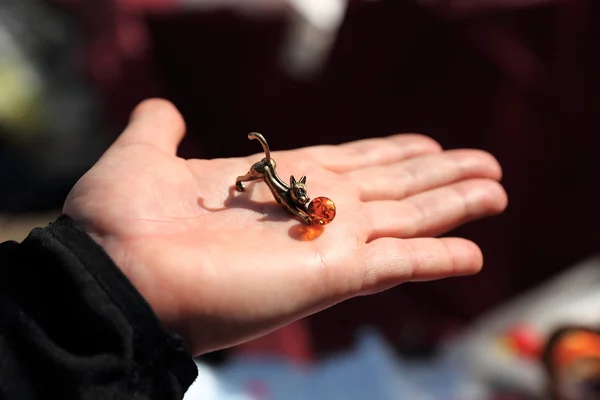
(406, 178)
(436, 211)
(391, 262)
(156, 123)
(371, 152)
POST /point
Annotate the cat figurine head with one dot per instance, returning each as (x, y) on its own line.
(298, 191)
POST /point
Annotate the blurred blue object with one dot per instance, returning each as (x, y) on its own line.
(372, 370)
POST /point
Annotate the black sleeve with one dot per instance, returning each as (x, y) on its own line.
(73, 327)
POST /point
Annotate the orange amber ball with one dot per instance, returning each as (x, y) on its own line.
(321, 211)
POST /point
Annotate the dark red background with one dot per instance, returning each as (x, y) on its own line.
(523, 84)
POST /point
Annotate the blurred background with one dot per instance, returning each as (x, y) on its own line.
(518, 78)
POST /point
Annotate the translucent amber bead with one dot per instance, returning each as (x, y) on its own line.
(321, 210)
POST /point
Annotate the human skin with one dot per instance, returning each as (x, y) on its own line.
(221, 267)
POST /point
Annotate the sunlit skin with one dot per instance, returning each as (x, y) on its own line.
(221, 267)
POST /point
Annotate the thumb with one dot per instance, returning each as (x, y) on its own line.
(156, 123)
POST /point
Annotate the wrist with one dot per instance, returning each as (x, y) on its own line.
(141, 275)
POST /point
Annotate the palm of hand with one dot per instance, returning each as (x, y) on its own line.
(221, 267)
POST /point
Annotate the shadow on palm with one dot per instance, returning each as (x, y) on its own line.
(270, 211)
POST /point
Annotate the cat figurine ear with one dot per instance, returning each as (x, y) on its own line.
(292, 180)
(303, 179)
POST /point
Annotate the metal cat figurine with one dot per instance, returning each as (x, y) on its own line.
(293, 197)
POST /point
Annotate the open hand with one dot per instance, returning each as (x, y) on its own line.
(221, 267)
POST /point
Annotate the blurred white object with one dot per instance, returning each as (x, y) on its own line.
(572, 298)
(314, 25)
(311, 33)
(206, 386)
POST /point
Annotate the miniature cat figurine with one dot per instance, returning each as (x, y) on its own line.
(293, 197)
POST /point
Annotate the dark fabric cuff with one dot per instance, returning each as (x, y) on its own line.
(153, 342)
